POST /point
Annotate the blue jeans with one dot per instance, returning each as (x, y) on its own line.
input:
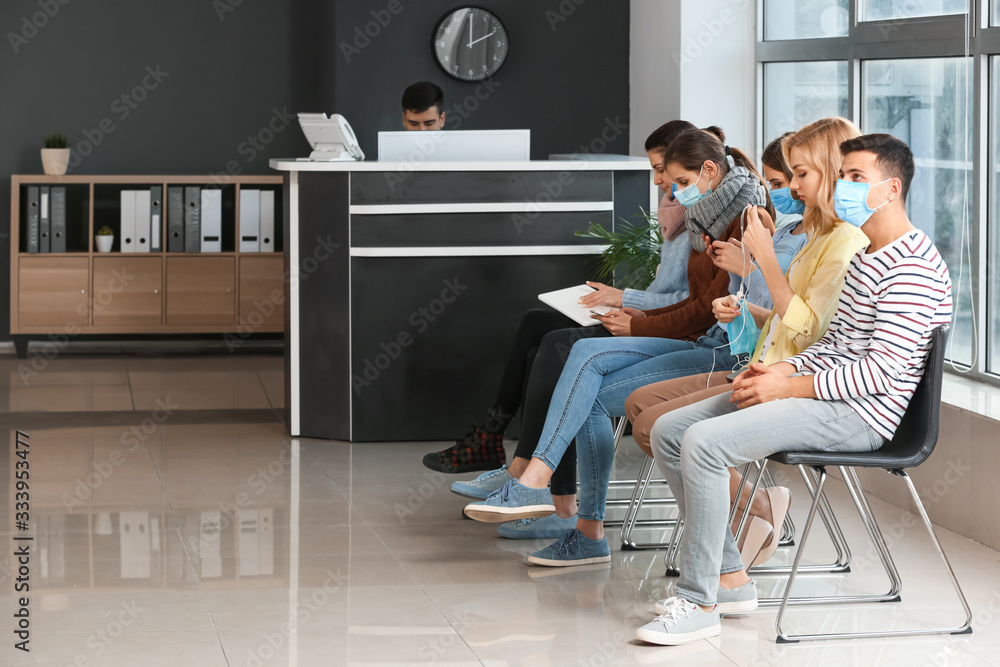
(695, 446)
(599, 375)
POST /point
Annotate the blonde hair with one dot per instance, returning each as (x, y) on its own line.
(819, 143)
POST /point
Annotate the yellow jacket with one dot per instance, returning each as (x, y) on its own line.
(819, 272)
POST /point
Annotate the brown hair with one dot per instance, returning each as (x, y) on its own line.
(661, 137)
(820, 143)
(772, 157)
(693, 148)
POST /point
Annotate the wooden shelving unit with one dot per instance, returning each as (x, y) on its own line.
(83, 291)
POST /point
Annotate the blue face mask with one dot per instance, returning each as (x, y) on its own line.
(690, 195)
(742, 332)
(850, 201)
(783, 202)
(673, 189)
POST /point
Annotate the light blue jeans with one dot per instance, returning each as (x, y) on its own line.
(599, 375)
(695, 446)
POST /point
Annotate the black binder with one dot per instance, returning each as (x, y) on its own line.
(33, 219)
(43, 218)
(155, 218)
(192, 218)
(175, 219)
(57, 216)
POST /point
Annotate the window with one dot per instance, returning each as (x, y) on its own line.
(877, 10)
(993, 253)
(923, 102)
(796, 94)
(905, 75)
(804, 19)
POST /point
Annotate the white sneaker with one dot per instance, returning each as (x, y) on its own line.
(681, 622)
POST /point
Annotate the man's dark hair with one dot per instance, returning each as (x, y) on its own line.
(664, 134)
(773, 158)
(421, 96)
(892, 156)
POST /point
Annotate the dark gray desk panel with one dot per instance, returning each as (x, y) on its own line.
(631, 196)
(483, 187)
(431, 336)
(324, 315)
(475, 229)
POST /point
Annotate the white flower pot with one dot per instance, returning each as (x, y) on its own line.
(104, 243)
(55, 161)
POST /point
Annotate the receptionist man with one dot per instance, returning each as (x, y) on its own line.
(423, 107)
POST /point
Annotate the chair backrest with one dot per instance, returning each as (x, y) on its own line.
(918, 431)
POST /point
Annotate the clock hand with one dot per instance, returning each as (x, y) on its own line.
(482, 38)
(470, 30)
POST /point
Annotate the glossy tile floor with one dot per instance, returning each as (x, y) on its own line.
(175, 523)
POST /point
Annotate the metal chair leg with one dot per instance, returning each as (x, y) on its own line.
(861, 503)
(670, 558)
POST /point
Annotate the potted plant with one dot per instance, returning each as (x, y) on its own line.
(55, 155)
(105, 239)
(631, 254)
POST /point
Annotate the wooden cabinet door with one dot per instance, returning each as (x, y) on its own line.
(53, 292)
(128, 291)
(262, 293)
(201, 291)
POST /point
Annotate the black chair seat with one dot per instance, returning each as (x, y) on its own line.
(917, 433)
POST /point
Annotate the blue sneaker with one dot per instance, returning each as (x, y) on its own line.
(573, 548)
(482, 486)
(510, 502)
(547, 528)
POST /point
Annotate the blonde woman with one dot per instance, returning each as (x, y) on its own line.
(805, 299)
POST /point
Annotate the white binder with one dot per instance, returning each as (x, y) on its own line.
(249, 543)
(250, 220)
(265, 534)
(128, 221)
(209, 544)
(142, 221)
(211, 220)
(267, 220)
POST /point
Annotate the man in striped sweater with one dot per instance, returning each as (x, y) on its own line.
(846, 393)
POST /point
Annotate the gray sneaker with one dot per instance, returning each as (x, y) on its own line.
(730, 600)
(482, 486)
(681, 622)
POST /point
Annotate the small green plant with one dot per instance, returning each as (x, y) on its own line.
(632, 253)
(105, 231)
(56, 140)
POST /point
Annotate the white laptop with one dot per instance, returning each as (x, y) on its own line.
(454, 146)
(566, 302)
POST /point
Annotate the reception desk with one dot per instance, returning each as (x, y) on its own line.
(406, 282)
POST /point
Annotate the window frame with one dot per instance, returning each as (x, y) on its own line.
(922, 37)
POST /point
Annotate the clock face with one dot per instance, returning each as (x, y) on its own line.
(470, 44)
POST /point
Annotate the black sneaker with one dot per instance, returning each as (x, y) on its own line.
(478, 450)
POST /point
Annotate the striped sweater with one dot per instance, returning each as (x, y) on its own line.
(874, 352)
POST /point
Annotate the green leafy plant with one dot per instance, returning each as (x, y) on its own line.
(632, 253)
(105, 231)
(56, 140)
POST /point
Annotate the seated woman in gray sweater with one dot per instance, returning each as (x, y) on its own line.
(544, 339)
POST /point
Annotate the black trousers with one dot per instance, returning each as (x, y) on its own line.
(536, 360)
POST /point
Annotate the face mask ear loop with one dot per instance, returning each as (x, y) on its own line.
(741, 298)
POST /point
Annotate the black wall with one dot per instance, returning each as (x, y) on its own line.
(230, 73)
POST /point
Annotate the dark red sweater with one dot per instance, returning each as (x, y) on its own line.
(692, 317)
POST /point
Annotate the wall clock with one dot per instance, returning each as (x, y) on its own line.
(470, 43)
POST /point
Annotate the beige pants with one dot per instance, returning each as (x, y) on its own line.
(646, 404)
